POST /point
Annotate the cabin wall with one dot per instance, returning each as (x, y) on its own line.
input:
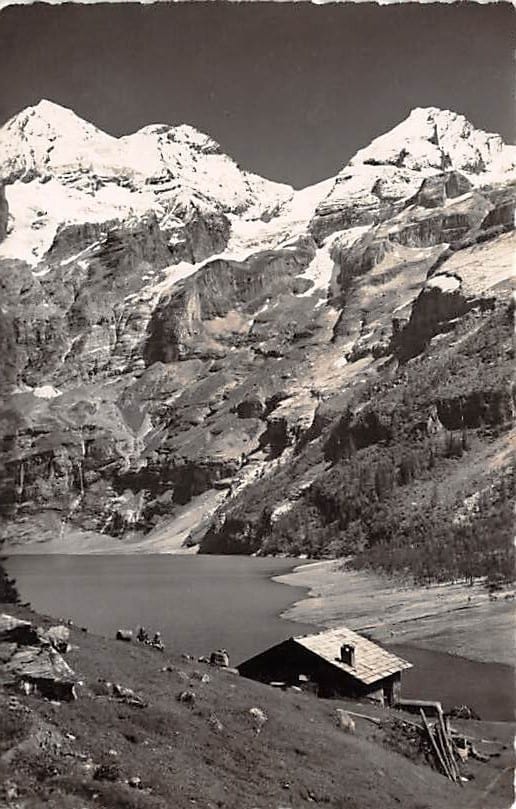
(282, 663)
(392, 689)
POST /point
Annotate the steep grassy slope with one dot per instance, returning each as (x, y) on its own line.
(214, 754)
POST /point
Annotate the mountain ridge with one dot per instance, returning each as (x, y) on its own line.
(52, 127)
(98, 177)
(439, 127)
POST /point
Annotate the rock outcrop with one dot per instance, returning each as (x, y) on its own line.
(30, 657)
(221, 287)
(15, 631)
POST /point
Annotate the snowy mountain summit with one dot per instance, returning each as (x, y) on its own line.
(431, 139)
(384, 176)
(48, 140)
(94, 177)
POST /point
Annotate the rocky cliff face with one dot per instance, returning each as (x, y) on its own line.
(181, 336)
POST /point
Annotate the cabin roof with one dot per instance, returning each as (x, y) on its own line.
(372, 662)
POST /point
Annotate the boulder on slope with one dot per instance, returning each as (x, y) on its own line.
(30, 657)
(58, 636)
(44, 668)
(14, 630)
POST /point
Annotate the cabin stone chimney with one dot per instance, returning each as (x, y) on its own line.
(347, 654)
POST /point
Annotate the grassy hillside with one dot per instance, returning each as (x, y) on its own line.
(213, 754)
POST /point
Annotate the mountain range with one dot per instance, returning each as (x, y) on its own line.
(196, 357)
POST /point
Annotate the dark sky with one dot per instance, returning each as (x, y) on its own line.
(290, 91)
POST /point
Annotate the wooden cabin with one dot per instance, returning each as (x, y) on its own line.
(333, 663)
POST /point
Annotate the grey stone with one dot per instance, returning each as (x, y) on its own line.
(14, 630)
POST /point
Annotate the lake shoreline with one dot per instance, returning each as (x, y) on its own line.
(233, 755)
(459, 641)
(454, 618)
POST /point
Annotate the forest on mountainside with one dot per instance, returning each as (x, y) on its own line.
(413, 479)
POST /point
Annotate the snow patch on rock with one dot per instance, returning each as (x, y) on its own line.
(446, 283)
(321, 269)
(46, 392)
(38, 209)
(291, 220)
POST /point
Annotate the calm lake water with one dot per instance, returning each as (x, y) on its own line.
(486, 687)
(200, 603)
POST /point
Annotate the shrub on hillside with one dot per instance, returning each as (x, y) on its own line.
(8, 592)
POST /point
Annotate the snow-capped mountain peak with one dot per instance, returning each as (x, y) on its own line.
(47, 117)
(98, 177)
(384, 176)
(59, 169)
(48, 140)
(431, 138)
